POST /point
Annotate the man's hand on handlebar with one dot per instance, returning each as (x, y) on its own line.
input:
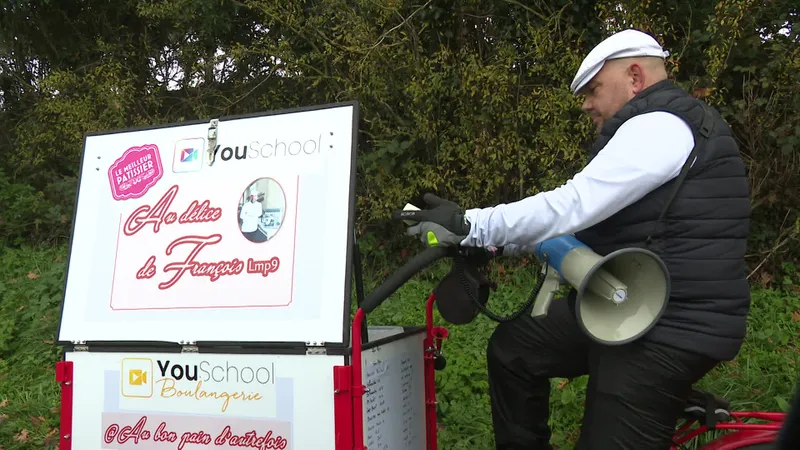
(452, 225)
(434, 235)
(444, 225)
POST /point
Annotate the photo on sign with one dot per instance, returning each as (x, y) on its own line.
(262, 207)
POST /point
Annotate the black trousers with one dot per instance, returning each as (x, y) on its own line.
(634, 397)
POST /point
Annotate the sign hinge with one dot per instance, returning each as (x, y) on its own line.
(188, 347)
(79, 346)
(316, 348)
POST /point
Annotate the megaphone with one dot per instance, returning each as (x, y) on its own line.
(620, 297)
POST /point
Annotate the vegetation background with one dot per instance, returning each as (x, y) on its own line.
(466, 98)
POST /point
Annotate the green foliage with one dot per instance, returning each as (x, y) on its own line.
(31, 288)
(469, 99)
(30, 215)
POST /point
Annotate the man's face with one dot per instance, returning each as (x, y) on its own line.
(609, 90)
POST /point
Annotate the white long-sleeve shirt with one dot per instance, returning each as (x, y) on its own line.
(647, 151)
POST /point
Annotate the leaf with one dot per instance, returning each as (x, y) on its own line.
(50, 439)
(32, 275)
(782, 404)
(567, 397)
(38, 420)
(22, 436)
(796, 316)
(4, 403)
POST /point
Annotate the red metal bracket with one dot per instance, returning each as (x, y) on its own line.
(439, 334)
(64, 377)
(343, 407)
(432, 347)
(349, 388)
(357, 388)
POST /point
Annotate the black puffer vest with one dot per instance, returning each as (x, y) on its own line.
(702, 237)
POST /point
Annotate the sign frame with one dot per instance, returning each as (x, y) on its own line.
(352, 273)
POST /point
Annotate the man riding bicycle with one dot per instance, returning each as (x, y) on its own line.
(647, 129)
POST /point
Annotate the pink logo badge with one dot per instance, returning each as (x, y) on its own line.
(135, 172)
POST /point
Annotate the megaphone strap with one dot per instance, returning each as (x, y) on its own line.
(701, 138)
(459, 265)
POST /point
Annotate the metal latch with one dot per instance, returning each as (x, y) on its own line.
(212, 140)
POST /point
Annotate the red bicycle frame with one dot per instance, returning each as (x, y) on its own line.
(743, 433)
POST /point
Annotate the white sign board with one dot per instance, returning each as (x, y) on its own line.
(191, 401)
(252, 248)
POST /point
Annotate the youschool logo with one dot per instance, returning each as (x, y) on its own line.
(207, 381)
(218, 373)
(226, 382)
(188, 155)
(137, 377)
(272, 149)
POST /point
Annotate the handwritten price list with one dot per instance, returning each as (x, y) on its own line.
(406, 386)
(392, 417)
(377, 409)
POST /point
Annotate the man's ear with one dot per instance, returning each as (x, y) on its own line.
(637, 77)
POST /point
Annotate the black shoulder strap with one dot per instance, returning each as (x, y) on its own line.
(700, 141)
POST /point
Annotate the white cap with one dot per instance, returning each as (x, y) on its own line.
(625, 44)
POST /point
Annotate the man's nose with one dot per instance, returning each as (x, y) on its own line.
(586, 106)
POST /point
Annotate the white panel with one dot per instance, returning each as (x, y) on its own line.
(158, 401)
(159, 252)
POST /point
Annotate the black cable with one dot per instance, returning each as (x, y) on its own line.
(459, 261)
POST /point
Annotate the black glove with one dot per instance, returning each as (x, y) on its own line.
(443, 212)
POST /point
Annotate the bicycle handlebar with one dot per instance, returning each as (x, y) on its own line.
(397, 279)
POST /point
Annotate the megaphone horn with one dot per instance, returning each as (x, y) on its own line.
(621, 296)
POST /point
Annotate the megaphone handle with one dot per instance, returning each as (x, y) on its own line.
(552, 283)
